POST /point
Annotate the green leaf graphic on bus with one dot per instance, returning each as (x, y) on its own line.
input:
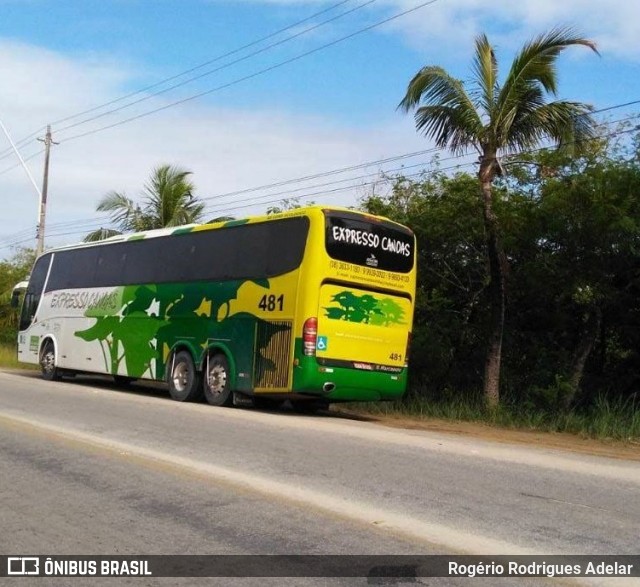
(365, 309)
(128, 334)
(152, 318)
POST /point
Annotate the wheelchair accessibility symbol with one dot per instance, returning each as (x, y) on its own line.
(322, 343)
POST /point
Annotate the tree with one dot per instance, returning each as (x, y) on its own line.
(287, 204)
(450, 307)
(576, 284)
(167, 200)
(12, 271)
(497, 120)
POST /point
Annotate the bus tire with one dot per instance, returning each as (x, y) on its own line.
(183, 379)
(48, 362)
(217, 381)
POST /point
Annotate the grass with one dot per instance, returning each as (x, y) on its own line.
(8, 358)
(605, 419)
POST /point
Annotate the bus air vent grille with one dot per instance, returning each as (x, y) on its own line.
(273, 346)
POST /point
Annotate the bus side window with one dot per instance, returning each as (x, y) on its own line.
(15, 298)
(26, 317)
(34, 291)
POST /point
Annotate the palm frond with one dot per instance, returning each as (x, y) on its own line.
(124, 213)
(449, 128)
(535, 65)
(568, 124)
(448, 114)
(535, 62)
(485, 68)
(169, 199)
(532, 75)
(220, 219)
(101, 234)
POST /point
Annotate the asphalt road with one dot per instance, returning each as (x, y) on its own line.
(89, 468)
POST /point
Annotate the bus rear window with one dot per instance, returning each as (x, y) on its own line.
(383, 245)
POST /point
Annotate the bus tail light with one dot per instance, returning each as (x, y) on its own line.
(309, 336)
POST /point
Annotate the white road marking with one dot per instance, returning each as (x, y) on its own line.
(546, 458)
(396, 522)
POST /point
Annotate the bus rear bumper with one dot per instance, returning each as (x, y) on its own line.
(343, 384)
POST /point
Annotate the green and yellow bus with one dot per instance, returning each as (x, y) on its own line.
(310, 304)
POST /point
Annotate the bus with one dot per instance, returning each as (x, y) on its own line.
(313, 304)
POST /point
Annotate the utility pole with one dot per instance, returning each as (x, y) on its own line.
(45, 185)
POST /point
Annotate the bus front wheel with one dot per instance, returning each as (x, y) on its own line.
(217, 381)
(48, 362)
(184, 381)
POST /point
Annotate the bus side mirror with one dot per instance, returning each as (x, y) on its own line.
(15, 299)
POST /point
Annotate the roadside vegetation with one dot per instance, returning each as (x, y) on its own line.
(8, 355)
(528, 303)
(605, 418)
(495, 118)
(571, 231)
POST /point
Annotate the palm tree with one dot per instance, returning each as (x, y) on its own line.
(167, 200)
(497, 120)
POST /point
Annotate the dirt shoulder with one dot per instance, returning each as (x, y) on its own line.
(554, 440)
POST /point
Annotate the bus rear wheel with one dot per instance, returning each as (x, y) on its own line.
(217, 381)
(48, 362)
(184, 381)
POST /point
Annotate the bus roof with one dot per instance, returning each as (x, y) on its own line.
(221, 224)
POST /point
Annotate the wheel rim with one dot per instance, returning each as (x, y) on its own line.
(48, 361)
(180, 376)
(217, 380)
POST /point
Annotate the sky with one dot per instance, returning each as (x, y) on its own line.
(287, 89)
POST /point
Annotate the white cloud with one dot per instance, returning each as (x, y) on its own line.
(614, 24)
(230, 149)
(227, 149)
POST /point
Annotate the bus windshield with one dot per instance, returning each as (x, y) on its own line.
(369, 241)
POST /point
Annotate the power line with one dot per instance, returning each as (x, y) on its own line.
(204, 64)
(335, 192)
(280, 183)
(531, 151)
(615, 107)
(9, 152)
(259, 200)
(92, 222)
(263, 200)
(22, 142)
(28, 158)
(87, 224)
(423, 164)
(217, 69)
(325, 173)
(361, 166)
(182, 73)
(254, 74)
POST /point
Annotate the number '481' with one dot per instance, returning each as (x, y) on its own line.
(271, 303)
